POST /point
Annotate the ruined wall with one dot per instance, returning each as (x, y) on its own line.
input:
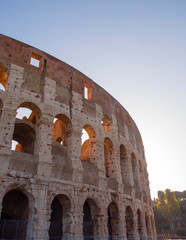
(96, 188)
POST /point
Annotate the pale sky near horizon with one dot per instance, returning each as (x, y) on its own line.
(135, 49)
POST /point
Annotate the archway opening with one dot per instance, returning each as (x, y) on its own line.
(147, 222)
(55, 230)
(123, 163)
(14, 215)
(24, 136)
(60, 217)
(129, 222)
(88, 140)
(113, 221)
(139, 221)
(88, 225)
(61, 128)
(135, 171)
(108, 155)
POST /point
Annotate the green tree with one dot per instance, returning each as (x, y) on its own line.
(169, 206)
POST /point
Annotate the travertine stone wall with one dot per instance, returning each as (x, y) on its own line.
(56, 169)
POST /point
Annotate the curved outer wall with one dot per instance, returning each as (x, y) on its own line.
(110, 175)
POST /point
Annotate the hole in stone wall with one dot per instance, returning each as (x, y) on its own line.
(35, 60)
(87, 91)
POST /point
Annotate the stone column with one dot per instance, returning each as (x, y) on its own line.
(104, 222)
(74, 153)
(6, 136)
(77, 224)
(44, 141)
(41, 220)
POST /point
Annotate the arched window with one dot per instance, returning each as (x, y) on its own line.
(88, 148)
(27, 119)
(3, 78)
(108, 157)
(129, 221)
(107, 124)
(124, 164)
(61, 128)
(60, 218)
(135, 170)
(113, 221)
(142, 178)
(14, 215)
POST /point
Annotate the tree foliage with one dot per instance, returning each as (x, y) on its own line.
(169, 206)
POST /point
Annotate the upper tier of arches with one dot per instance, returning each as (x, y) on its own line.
(67, 79)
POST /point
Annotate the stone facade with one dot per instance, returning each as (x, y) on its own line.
(51, 182)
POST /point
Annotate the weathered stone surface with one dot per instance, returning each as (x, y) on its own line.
(100, 187)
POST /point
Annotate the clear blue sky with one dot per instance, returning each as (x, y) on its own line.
(134, 49)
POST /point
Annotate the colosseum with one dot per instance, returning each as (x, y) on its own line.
(72, 158)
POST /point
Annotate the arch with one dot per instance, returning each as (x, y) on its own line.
(129, 221)
(35, 112)
(24, 136)
(3, 78)
(89, 215)
(135, 170)
(108, 157)
(60, 217)
(113, 220)
(88, 148)
(147, 225)
(142, 178)
(61, 127)
(139, 222)
(107, 124)
(123, 164)
(14, 215)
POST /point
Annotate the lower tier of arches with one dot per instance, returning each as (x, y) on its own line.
(58, 211)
